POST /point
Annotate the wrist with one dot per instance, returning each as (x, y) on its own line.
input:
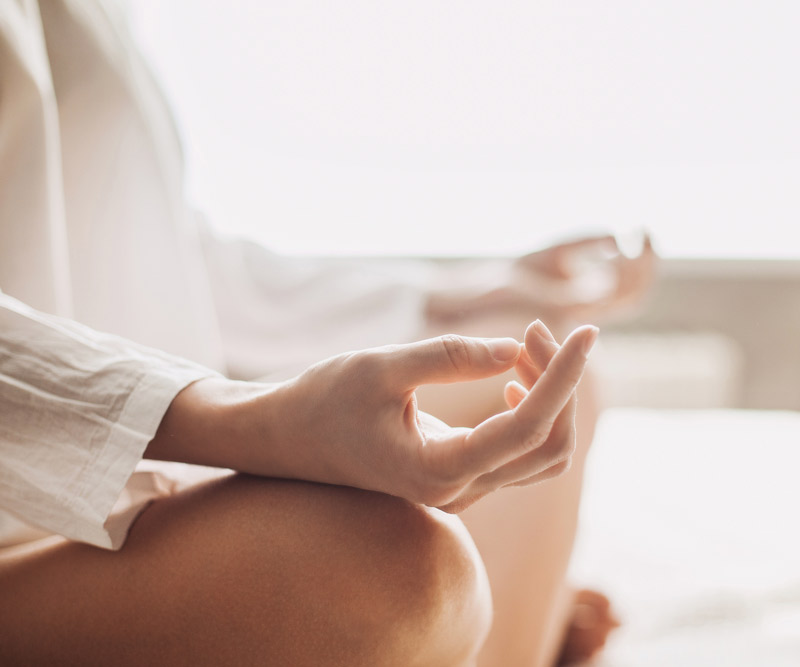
(211, 422)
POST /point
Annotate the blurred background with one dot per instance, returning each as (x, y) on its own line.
(469, 128)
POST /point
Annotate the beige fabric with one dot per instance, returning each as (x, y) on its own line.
(78, 409)
(94, 227)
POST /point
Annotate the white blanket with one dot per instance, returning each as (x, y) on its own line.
(690, 524)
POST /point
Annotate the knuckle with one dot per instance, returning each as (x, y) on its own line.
(568, 446)
(362, 360)
(562, 450)
(539, 434)
(555, 470)
(438, 495)
(371, 366)
(443, 489)
(459, 504)
(561, 467)
(457, 350)
(433, 488)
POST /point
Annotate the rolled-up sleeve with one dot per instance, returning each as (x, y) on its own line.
(77, 410)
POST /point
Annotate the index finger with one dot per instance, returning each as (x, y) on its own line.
(559, 380)
(510, 434)
(539, 348)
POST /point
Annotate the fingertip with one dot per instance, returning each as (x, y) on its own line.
(543, 331)
(505, 350)
(514, 393)
(590, 340)
(586, 336)
(540, 345)
(537, 328)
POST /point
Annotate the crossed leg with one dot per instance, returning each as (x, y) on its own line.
(524, 535)
(247, 571)
(252, 571)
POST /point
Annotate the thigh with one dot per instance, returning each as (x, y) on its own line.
(248, 571)
(524, 535)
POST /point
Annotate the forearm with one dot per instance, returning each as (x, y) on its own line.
(221, 423)
(459, 286)
(272, 308)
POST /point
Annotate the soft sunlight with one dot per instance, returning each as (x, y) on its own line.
(471, 127)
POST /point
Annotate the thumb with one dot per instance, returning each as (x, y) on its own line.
(452, 358)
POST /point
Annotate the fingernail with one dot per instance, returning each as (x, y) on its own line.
(589, 340)
(543, 331)
(504, 349)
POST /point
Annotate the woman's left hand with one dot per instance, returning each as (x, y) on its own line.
(589, 279)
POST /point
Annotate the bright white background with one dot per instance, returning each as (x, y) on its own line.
(462, 127)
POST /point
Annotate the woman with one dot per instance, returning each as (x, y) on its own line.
(331, 551)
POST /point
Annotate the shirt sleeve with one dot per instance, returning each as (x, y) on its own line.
(271, 308)
(77, 410)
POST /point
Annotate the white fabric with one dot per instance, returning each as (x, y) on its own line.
(94, 227)
(78, 411)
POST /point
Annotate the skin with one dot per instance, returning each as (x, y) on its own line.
(313, 427)
(251, 571)
(584, 280)
(222, 573)
(525, 536)
(316, 571)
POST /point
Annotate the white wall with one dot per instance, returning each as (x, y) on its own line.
(458, 127)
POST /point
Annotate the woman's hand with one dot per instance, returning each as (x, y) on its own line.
(353, 420)
(586, 279)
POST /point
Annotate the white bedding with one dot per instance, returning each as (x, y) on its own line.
(690, 523)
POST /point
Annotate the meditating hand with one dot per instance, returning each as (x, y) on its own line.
(353, 419)
(586, 279)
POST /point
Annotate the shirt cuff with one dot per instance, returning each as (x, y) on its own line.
(113, 468)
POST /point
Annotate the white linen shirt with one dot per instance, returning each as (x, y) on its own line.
(79, 408)
(94, 228)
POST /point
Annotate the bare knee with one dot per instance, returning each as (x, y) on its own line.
(434, 600)
(322, 575)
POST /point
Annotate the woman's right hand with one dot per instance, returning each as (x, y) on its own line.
(353, 419)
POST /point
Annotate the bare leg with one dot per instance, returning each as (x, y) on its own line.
(245, 571)
(525, 535)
